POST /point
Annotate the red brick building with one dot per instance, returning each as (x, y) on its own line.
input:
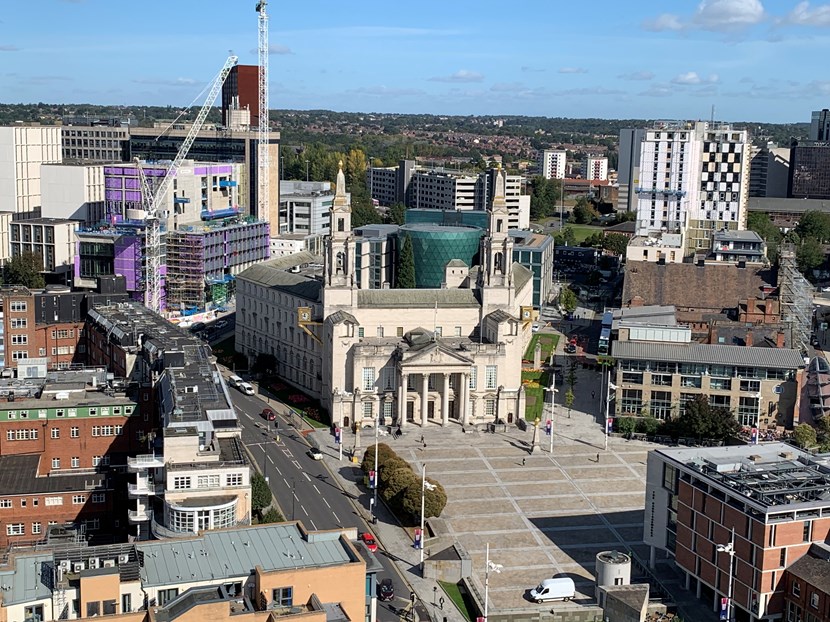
(772, 495)
(807, 586)
(58, 439)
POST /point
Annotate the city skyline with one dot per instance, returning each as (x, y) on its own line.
(751, 60)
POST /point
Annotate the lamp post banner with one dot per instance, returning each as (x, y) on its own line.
(724, 608)
(418, 539)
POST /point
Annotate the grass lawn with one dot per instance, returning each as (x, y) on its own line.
(451, 589)
(582, 232)
(535, 383)
(548, 342)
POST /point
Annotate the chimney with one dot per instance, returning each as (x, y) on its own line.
(779, 339)
(748, 339)
(750, 308)
(713, 333)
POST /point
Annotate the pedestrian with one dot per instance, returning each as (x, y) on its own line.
(425, 444)
(593, 395)
(523, 461)
(422, 438)
(597, 457)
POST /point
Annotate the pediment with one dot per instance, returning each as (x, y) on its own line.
(435, 354)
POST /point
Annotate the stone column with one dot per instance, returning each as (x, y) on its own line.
(424, 389)
(403, 387)
(464, 391)
(445, 400)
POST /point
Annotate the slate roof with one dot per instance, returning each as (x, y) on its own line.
(408, 298)
(274, 273)
(813, 569)
(521, 275)
(689, 286)
(716, 354)
(25, 581)
(236, 552)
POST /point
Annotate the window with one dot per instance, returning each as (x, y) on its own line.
(18, 322)
(814, 600)
(360, 332)
(368, 378)
(53, 500)
(56, 463)
(5, 503)
(106, 430)
(380, 331)
(18, 305)
(661, 405)
(78, 499)
(74, 432)
(167, 595)
(181, 483)
(490, 408)
(457, 331)
(36, 528)
(99, 497)
(808, 531)
(20, 340)
(18, 355)
(96, 460)
(284, 596)
(783, 560)
(796, 585)
(207, 481)
(473, 377)
(96, 430)
(119, 429)
(490, 376)
(632, 401)
(15, 529)
(233, 479)
(93, 608)
(632, 377)
(75, 462)
(55, 433)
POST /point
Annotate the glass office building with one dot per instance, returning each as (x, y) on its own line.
(435, 245)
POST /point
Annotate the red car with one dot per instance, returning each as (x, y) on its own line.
(269, 414)
(369, 540)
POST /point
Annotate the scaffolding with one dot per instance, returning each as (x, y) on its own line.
(796, 297)
(185, 272)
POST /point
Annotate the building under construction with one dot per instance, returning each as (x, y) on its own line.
(796, 296)
(203, 258)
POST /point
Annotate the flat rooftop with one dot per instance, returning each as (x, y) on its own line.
(716, 354)
(18, 476)
(769, 474)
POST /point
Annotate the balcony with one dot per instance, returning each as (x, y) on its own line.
(140, 515)
(140, 489)
(145, 461)
(160, 531)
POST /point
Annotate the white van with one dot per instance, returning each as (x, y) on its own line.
(235, 381)
(553, 589)
(246, 388)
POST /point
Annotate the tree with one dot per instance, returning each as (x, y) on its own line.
(702, 420)
(389, 467)
(815, 225)
(804, 436)
(406, 265)
(584, 213)
(571, 378)
(569, 400)
(566, 237)
(260, 493)
(760, 223)
(272, 515)
(385, 452)
(543, 197)
(434, 500)
(626, 426)
(398, 481)
(615, 243)
(567, 299)
(397, 214)
(364, 214)
(25, 269)
(809, 255)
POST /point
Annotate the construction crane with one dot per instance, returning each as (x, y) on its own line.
(263, 154)
(153, 200)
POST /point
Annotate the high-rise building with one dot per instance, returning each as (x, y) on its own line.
(73, 191)
(90, 141)
(694, 178)
(595, 168)
(628, 168)
(810, 170)
(22, 151)
(552, 163)
(240, 97)
(820, 125)
(304, 207)
(52, 240)
(769, 171)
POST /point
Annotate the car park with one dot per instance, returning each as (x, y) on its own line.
(369, 540)
(386, 590)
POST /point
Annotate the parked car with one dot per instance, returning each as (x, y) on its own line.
(221, 324)
(235, 381)
(269, 414)
(570, 347)
(197, 326)
(315, 453)
(246, 388)
(536, 326)
(553, 589)
(369, 540)
(386, 590)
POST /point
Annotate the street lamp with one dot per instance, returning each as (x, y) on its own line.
(497, 568)
(425, 485)
(306, 170)
(375, 479)
(729, 549)
(553, 393)
(341, 395)
(609, 386)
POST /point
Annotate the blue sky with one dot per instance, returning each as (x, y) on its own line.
(760, 60)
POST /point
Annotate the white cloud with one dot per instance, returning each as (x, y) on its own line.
(666, 21)
(572, 70)
(728, 14)
(637, 76)
(692, 77)
(804, 15)
(9, 48)
(715, 15)
(462, 75)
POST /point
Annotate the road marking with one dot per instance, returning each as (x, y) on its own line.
(287, 452)
(313, 525)
(278, 469)
(315, 487)
(335, 516)
(285, 480)
(297, 464)
(327, 504)
(302, 507)
(270, 460)
(307, 477)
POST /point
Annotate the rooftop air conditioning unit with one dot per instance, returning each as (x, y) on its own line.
(66, 565)
(78, 567)
(94, 562)
(124, 558)
(109, 563)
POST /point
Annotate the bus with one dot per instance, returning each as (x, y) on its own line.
(605, 334)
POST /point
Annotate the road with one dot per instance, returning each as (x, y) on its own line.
(305, 489)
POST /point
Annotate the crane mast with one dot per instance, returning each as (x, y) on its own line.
(263, 153)
(153, 200)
